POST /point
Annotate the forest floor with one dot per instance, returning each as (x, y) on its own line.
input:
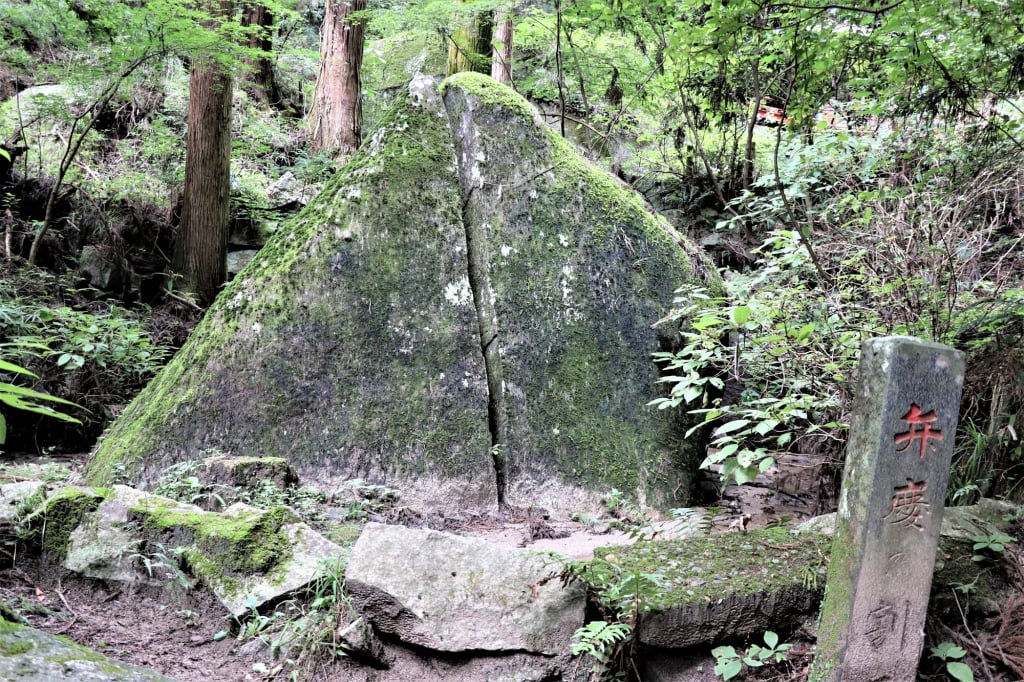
(181, 633)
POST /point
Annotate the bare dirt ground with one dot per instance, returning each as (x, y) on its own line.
(180, 633)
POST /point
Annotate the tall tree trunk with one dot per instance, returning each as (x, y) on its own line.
(337, 116)
(501, 57)
(259, 80)
(203, 233)
(469, 48)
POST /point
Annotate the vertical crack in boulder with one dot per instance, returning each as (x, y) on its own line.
(478, 262)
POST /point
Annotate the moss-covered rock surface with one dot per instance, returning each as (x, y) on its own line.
(724, 585)
(28, 655)
(466, 287)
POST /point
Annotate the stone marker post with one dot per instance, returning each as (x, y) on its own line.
(890, 511)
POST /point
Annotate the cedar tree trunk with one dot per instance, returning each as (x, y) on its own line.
(259, 80)
(469, 48)
(337, 116)
(205, 214)
(501, 57)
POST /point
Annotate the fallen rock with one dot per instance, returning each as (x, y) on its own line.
(16, 497)
(459, 594)
(958, 523)
(50, 524)
(247, 557)
(105, 546)
(30, 655)
(722, 586)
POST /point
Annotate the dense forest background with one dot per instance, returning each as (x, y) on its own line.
(853, 170)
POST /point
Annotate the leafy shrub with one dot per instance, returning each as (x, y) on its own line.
(865, 236)
(98, 359)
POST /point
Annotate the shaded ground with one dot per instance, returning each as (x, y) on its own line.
(184, 633)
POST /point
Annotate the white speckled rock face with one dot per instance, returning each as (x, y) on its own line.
(467, 281)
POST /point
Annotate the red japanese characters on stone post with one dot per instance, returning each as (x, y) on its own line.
(890, 512)
(925, 433)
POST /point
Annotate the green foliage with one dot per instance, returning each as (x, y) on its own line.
(729, 663)
(790, 354)
(307, 631)
(621, 596)
(987, 547)
(28, 400)
(104, 356)
(769, 364)
(600, 640)
(950, 654)
(164, 564)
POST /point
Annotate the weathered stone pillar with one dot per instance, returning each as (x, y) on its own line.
(890, 511)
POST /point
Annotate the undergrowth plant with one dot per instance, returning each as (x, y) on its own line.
(950, 654)
(307, 631)
(98, 357)
(729, 663)
(861, 235)
(621, 596)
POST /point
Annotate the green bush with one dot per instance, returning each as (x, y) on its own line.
(98, 358)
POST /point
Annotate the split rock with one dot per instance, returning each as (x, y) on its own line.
(353, 344)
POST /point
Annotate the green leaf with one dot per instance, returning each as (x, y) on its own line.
(706, 322)
(805, 331)
(740, 314)
(11, 367)
(731, 426)
(960, 671)
(946, 650)
(771, 639)
(3, 430)
(745, 474)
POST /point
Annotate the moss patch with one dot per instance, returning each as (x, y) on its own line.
(248, 543)
(706, 569)
(53, 520)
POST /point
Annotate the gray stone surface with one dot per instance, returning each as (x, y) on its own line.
(457, 594)
(12, 495)
(222, 550)
(890, 511)
(111, 542)
(104, 544)
(957, 522)
(352, 343)
(100, 269)
(33, 656)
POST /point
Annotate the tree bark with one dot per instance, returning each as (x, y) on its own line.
(337, 116)
(469, 48)
(203, 233)
(259, 80)
(501, 57)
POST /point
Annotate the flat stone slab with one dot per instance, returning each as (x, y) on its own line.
(724, 585)
(30, 655)
(451, 593)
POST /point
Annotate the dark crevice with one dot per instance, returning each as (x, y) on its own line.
(478, 271)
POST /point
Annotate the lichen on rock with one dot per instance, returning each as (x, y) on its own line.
(353, 344)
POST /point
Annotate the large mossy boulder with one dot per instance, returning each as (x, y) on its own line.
(466, 281)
